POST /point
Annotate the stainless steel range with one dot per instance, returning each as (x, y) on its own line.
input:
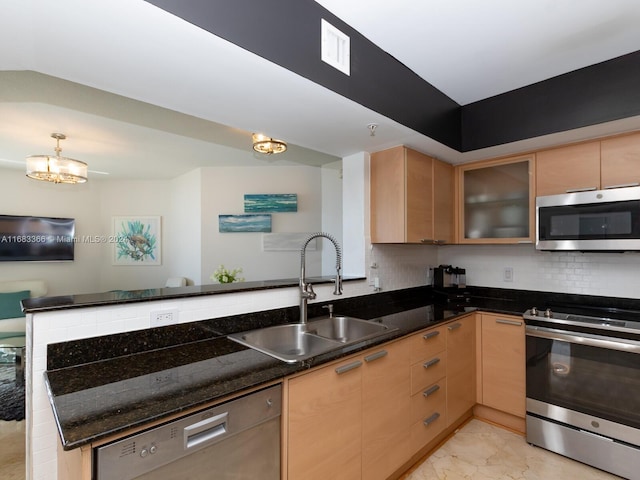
(583, 386)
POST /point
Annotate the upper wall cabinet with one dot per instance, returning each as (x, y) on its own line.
(597, 165)
(495, 201)
(411, 198)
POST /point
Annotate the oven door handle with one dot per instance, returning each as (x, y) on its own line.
(588, 339)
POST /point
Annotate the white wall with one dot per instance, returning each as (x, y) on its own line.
(332, 208)
(223, 192)
(185, 237)
(189, 207)
(22, 196)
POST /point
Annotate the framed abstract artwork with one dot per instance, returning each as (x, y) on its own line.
(137, 240)
(244, 223)
(270, 202)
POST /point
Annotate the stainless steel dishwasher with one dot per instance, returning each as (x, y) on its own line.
(239, 439)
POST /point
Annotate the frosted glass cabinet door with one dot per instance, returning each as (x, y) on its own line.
(497, 202)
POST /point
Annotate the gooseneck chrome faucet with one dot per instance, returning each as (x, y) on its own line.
(306, 289)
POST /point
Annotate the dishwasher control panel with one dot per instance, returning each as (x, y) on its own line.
(143, 452)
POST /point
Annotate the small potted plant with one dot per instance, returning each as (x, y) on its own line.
(222, 275)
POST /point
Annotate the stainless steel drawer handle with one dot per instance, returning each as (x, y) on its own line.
(431, 362)
(622, 185)
(431, 390)
(431, 419)
(375, 356)
(454, 326)
(348, 367)
(430, 335)
(504, 321)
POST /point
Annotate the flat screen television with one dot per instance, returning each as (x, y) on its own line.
(40, 239)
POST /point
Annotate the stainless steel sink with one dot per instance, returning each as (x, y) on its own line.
(297, 341)
(346, 329)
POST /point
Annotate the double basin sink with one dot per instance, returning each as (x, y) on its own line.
(295, 342)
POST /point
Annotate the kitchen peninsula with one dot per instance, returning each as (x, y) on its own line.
(84, 375)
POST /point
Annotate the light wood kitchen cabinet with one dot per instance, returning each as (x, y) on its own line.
(503, 363)
(496, 202)
(324, 423)
(596, 165)
(386, 410)
(461, 367)
(411, 198)
(567, 169)
(620, 161)
(428, 386)
(351, 420)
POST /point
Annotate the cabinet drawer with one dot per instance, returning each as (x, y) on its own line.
(428, 371)
(428, 400)
(429, 426)
(427, 344)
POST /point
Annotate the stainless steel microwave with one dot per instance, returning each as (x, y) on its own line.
(605, 220)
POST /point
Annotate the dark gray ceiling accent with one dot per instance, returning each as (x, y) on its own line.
(596, 94)
(287, 33)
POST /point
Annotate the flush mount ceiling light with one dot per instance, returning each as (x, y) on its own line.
(267, 145)
(56, 169)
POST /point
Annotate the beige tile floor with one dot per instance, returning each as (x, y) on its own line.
(480, 451)
(12, 450)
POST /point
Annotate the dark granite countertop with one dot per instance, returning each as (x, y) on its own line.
(115, 297)
(108, 385)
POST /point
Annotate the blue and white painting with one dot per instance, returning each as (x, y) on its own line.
(270, 202)
(244, 223)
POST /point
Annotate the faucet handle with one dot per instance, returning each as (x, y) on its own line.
(330, 308)
(308, 290)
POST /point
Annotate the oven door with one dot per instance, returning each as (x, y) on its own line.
(586, 376)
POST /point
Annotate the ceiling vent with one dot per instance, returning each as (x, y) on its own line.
(335, 47)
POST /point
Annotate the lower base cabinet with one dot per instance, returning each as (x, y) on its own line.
(503, 364)
(367, 416)
(461, 367)
(351, 420)
(324, 423)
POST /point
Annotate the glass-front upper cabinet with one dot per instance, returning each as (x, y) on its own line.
(496, 201)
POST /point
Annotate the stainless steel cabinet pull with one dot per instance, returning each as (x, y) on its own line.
(454, 326)
(586, 189)
(622, 185)
(375, 356)
(504, 321)
(429, 335)
(431, 419)
(349, 366)
(431, 390)
(431, 362)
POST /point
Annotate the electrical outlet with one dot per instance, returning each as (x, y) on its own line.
(507, 274)
(161, 318)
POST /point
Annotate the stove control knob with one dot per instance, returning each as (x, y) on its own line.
(547, 313)
(534, 311)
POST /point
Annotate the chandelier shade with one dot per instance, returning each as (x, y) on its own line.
(56, 169)
(267, 145)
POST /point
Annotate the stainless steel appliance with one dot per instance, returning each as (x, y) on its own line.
(583, 387)
(237, 440)
(588, 221)
(447, 276)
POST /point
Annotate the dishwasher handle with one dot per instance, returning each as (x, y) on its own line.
(208, 430)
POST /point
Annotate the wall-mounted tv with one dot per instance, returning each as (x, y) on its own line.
(40, 239)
